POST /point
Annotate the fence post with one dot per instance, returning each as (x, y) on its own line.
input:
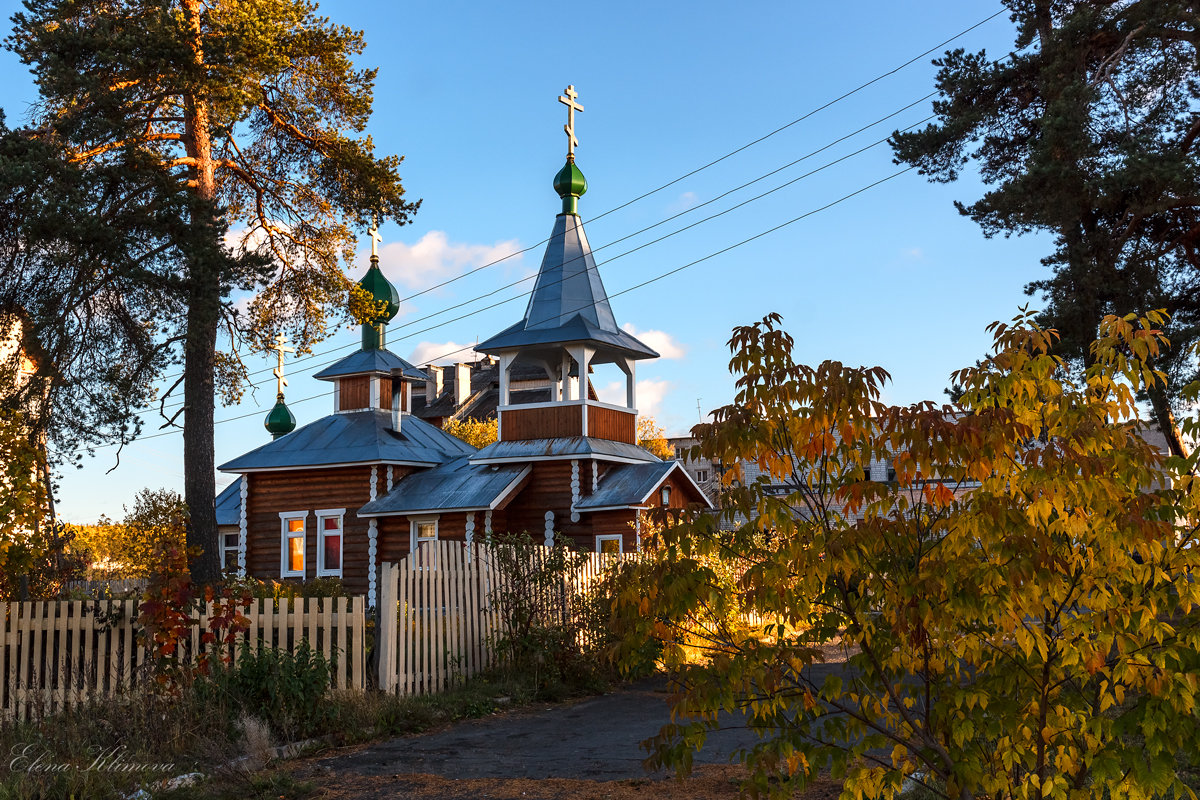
(385, 628)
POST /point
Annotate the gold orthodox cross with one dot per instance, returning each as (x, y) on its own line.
(568, 100)
(375, 237)
(281, 347)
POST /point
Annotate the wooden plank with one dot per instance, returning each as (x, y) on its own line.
(327, 649)
(37, 676)
(5, 644)
(360, 660)
(385, 629)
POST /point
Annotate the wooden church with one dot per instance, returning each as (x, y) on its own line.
(371, 483)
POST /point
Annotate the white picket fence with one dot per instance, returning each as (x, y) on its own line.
(57, 654)
(445, 619)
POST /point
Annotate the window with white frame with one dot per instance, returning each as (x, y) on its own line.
(701, 476)
(229, 551)
(293, 524)
(423, 534)
(329, 542)
(610, 543)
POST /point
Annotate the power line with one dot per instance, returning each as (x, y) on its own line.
(626, 290)
(697, 170)
(697, 223)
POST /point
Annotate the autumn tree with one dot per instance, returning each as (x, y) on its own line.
(1088, 132)
(255, 111)
(84, 291)
(134, 547)
(652, 437)
(478, 433)
(1018, 609)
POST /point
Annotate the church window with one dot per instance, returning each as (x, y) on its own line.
(610, 543)
(292, 558)
(229, 551)
(329, 542)
(423, 533)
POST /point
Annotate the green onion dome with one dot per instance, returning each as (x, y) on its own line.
(382, 290)
(570, 185)
(280, 419)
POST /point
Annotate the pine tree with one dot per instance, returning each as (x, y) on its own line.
(1087, 131)
(256, 111)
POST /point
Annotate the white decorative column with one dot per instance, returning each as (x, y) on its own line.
(595, 476)
(373, 541)
(549, 541)
(487, 523)
(242, 527)
(574, 489)
(389, 477)
(637, 528)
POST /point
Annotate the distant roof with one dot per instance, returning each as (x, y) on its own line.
(568, 302)
(456, 486)
(562, 448)
(354, 438)
(370, 361)
(229, 503)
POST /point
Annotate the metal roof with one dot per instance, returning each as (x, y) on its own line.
(456, 486)
(353, 438)
(370, 361)
(568, 302)
(632, 484)
(567, 447)
(229, 503)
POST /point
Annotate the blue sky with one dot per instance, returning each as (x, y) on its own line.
(467, 93)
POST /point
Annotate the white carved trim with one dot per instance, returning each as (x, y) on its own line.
(374, 482)
(487, 522)
(574, 489)
(389, 477)
(372, 548)
(595, 476)
(549, 536)
(242, 527)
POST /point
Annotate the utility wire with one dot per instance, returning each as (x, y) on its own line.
(697, 170)
(697, 223)
(569, 312)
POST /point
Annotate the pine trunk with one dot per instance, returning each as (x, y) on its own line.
(203, 316)
(1165, 417)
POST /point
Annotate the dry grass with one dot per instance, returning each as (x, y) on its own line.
(709, 782)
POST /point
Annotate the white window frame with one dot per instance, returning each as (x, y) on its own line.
(611, 537)
(229, 554)
(322, 515)
(284, 562)
(701, 476)
(414, 525)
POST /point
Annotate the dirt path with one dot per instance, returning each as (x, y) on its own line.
(587, 749)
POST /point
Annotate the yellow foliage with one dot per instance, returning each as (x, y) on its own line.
(652, 437)
(475, 432)
(1030, 573)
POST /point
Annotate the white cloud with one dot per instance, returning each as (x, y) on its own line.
(650, 394)
(434, 258)
(914, 253)
(441, 353)
(682, 203)
(663, 342)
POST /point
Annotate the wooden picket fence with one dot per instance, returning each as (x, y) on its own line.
(445, 620)
(58, 654)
